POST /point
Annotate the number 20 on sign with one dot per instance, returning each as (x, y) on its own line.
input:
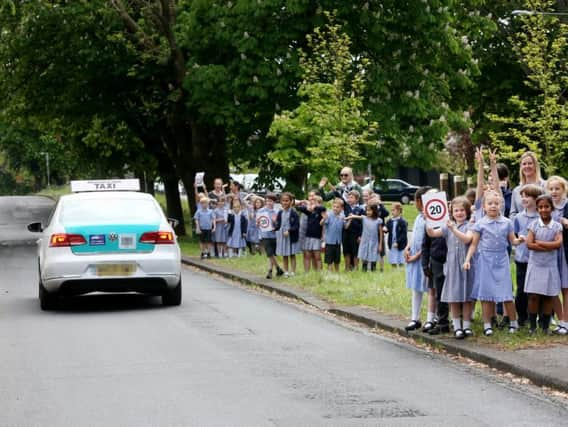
(435, 209)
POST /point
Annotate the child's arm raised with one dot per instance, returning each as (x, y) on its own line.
(480, 174)
(493, 171)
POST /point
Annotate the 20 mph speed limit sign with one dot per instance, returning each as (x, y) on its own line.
(435, 209)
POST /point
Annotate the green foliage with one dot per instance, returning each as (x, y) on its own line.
(330, 127)
(539, 117)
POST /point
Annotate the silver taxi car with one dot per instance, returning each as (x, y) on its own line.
(107, 237)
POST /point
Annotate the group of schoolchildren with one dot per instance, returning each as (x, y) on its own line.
(458, 265)
(230, 225)
(466, 261)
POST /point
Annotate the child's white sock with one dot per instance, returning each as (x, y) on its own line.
(467, 324)
(457, 324)
(416, 304)
(487, 325)
(514, 324)
(430, 317)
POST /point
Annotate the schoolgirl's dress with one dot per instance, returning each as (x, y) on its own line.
(458, 283)
(369, 244)
(415, 278)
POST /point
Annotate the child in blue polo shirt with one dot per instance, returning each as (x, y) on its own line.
(204, 227)
(521, 223)
(334, 223)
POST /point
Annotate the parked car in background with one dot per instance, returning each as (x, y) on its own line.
(395, 190)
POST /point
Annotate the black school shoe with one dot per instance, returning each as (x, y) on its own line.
(439, 329)
(428, 326)
(279, 271)
(412, 326)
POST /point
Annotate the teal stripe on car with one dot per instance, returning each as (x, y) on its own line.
(107, 238)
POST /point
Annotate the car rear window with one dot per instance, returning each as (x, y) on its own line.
(109, 211)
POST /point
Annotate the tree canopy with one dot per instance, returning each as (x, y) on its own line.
(171, 87)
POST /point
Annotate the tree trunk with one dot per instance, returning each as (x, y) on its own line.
(173, 202)
(206, 153)
(171, 181)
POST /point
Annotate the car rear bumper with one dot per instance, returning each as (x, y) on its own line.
(146, 285)
(153, 272)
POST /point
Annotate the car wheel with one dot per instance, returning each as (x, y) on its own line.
(405, 200)
(173, 297)
(47, 300)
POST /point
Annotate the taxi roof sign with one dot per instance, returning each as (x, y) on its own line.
(105, 185)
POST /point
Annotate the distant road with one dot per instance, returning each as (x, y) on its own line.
(16, 212)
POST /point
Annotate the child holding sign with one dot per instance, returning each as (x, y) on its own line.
(264, 219)
(458, 283)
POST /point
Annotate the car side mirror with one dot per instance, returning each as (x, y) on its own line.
(173, 222)
(35, 227)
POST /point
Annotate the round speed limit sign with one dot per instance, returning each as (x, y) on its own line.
(264, 223)
(435, 210)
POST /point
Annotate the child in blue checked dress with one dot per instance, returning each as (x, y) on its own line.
(220, 236)
(415, 279)
(371, 238)
(287, 227)
(542, 282)
(492, 283)
(237, 220)
(458, 283)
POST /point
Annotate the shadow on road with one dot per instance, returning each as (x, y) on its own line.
(105, 303)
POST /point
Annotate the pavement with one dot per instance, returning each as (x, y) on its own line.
(542, 366)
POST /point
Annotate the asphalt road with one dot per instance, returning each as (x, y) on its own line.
(227, 357)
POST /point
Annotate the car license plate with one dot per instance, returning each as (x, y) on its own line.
(127, 241)
(116, 269)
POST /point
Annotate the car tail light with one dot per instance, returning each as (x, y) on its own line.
(63, 239)
(157, 237)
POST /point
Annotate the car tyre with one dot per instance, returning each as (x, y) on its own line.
(405, 200)
(172, 297)
(47, 300)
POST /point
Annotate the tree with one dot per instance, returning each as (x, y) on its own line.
(330, 127)
(539, 117)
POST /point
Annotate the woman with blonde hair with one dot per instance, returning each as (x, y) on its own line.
(529, 173)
